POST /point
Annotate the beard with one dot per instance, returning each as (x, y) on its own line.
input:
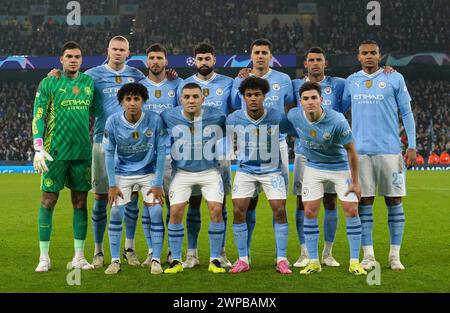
(157, 72)
(205, 71)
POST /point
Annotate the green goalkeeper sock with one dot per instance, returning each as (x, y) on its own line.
(80, 223)
(45, 223)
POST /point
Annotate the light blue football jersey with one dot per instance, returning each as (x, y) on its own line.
(136, 146)
(194, 142)
(258, 140)
(163, 95)
(217, 91)
(323, 141)
(107, 83)
(332, 91)
(376, 101)
(280, 93)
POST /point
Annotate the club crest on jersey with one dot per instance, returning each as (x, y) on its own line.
(158, 93)
(219, 91)
(48, 182)
(135, 135)
(327, 135)
(369, 83)
(205, 92)
(148, 133)
(130, 79)
(118, 79)
(75, 90)
(87, 90)
(327, 90)
(382, 85)
(276, 87)
(313, 133)
(171, 93)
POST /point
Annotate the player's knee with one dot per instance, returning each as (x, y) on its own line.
(366, 200)
(216, 213)
(49, 200)
(392, 200)
(329, 201)
(79, 199)
(310, 212)
(238, 215)
(350, 209)
(279, 215)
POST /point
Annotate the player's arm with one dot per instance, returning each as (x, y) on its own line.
(404, 104)
(286, 126)
(41, 101)
(353, 163)
(109, 145)
(161, 141)
(235, 96)
(289, 100)
(346, 100)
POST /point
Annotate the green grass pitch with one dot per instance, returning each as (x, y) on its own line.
(425, 251)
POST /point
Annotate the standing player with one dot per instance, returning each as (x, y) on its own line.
(216, 89)
(259, 165)
(163, 94)
(376, 100)
(62, 108)
(108, 79)
(135, 153)
(333, 88)
(327, 143)
(279, 97)
(195, 132)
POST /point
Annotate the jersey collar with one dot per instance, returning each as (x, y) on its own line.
(316, 122)
(156, 84)
(373, 74)
(113, 71)
(258, 120)
(265, 75)
(319, 82)
(135, 125)
(206, 82)
(196, 119)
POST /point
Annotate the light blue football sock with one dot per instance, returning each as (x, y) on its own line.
(156, 229)
(311, 231)
(299, 221)
(354, 230)
(330, 223)
(215, 234)
(115, 230)
(99, 220)
(176, 236)
(240, 233)
(396, 222)
(366, 216)
(281, 239)
(193, 225)
(146, 226)
(131, 216)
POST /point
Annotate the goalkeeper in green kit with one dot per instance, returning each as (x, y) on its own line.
(60, 126)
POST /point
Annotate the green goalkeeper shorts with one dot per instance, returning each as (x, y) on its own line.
(74, 174)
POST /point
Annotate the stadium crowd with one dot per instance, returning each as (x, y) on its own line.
(431, 107)
(230, 25)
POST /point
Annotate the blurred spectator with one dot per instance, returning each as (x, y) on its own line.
(420, 160)
(444, 158)
(433, 158)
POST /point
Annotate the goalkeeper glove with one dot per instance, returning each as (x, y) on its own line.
(40, 156)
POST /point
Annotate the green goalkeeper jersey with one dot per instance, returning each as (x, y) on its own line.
(62, 108)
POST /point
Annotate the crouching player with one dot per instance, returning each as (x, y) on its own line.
(195, 132)
(328, 145)
(134, 142)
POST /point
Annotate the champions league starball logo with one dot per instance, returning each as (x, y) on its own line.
(245, 61)
(190, 61)
(16, 61)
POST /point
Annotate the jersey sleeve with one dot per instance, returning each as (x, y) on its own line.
(288, 91)
(236, 102)
(109, 145)
(41, 101)
(343, 132)
(295, 92)
(404, 104)
(346, 100)
(339, 87)
(286, 127)
(161, 142)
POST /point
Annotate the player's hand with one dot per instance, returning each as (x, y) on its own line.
(356, 188)
(113, 193)
(411, 157)
(39, 161)
(171, 74)
(388, 69)
(54, 73)
(244, 73)
(158, 195)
